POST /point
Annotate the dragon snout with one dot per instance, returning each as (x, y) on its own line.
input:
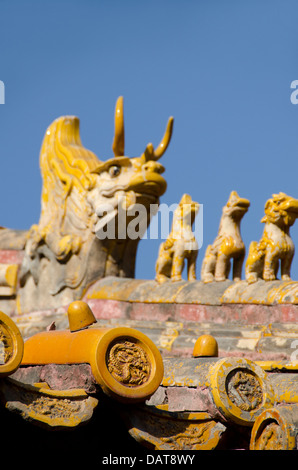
(243, 203)
(154, 167)
(292, 206)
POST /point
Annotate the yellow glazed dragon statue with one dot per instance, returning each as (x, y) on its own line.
(80, 203)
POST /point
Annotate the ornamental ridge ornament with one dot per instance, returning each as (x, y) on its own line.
(81, 197)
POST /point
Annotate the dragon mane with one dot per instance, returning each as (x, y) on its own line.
(66, 169)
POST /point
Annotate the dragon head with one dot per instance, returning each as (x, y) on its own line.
(281, 210)
(122, 182)
(236, 206)
(186, 211)
(82, 192)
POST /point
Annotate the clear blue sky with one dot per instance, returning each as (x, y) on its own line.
(222, 68)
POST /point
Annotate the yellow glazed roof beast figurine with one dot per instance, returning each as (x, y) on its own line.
(180, 245)
(276, 245)
(79, 238)
(228, 244)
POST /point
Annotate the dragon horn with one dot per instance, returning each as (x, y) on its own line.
(150, 153)
(118, 142)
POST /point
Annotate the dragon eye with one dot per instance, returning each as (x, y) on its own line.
(114, 170)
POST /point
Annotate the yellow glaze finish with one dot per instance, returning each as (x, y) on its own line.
(206, 345)
(124, 362)
(261, 292)
(51, 409)
(228, 244)
(81, 197)
(240, 389)
(282, 366)
(180, 245)
(162, 432)
(80, 315)
(8, 279)
(276, 244)
(276, 429)
(13, 345)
